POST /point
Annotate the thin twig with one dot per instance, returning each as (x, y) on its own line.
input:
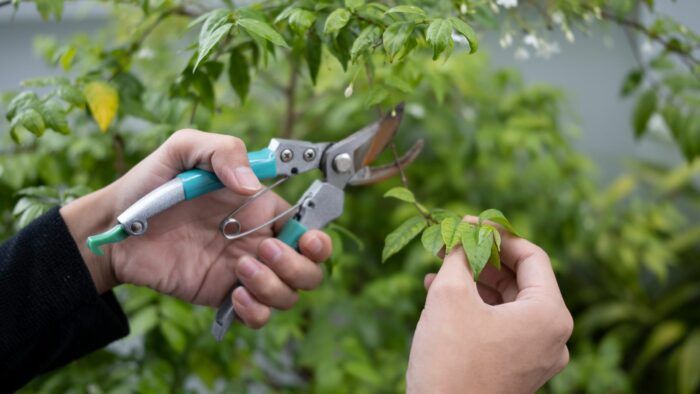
(193, 112)
(290, 95)
(404, 181)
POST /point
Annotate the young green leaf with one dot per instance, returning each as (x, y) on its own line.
(450, 230)
(103, 101)
(440, 214)
(477, 242)
(354, 4)
(397, 239)
(336, 21)
(367, 38)
(495, 258)
(432, 239)
(30, 119)
(497, 216)
(631, 82)
(464, 29)
(396, 36)
(71, 95)
(215, 27)
(173, 335)
(262, 29)
(54, 117)
(22, 101)
(406, 9)
(439, 36)
(312, 54)
(645, 107)
(401, 193)
(239, 74)
(375, 96)
(301, 20)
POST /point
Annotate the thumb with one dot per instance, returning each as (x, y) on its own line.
(225, 155)
(454, 277)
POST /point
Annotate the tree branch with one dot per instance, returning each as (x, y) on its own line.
(290, 95)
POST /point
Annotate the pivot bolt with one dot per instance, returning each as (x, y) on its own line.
(287, 155)
(137, 228)
(342, 163)
(309, 154)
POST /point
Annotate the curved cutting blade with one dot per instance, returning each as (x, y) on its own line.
(368, 175)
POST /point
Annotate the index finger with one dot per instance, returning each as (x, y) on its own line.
(530, 263)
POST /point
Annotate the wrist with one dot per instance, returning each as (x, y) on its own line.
(86, 216)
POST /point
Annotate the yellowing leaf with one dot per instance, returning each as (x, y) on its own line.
(103, 101)
(452, 229)
(497, 216)
(400, 237)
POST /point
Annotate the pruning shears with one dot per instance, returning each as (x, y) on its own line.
(342, 163)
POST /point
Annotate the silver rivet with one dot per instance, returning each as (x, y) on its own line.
(136, 227)
(286, 155)
(309, 154)
(342, 163)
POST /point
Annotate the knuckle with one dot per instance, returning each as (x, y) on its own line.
(258, 319)
(563, 360)
(182, 135)
(447, 288)
(566, 325)
(289, 302)
(235, 143)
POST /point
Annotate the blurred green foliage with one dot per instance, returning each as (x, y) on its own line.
(625, 254)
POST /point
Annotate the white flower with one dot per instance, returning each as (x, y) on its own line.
(558, 17)
(547, 49)
(348, 91)
(506, 40)
(531, 40)
(647, 48)
(521, 54)
(416, 110)
(569, 36)
(145, 53)
(507, 3)
(463, 8)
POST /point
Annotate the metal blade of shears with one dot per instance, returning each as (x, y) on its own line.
(369, 175)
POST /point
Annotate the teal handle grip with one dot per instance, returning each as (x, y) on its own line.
(291, 232)
(198, 182)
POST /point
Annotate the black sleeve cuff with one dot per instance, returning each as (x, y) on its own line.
(50, 310)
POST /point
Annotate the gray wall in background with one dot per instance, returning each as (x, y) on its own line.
(589, 71)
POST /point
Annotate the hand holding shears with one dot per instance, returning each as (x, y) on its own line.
(340, 163)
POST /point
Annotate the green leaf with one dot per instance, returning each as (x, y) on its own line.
(406, 9)
(440, 214)
(497, 216)
(22, 101)
(645, 107)
(312, 54)
(664, 335)
(397, 239)
(285, 13)
(477, 246)
(144, 321)
(45, 81)
(488, 246)
(368, 38)
(688, 376)
(262, 29)
(48, 7)
(239, 74)
(339, 47)
(336, 21)
(439, 36)
(396, 36)
(432, 239)
(173, 335)
(450, 229)
(31, 120)
(401, 193)
(205, 90)
(464, 29)
(631, 82)
(375, 96)
(71, 95)
(353, 4)
(301, 20)
(54, 117)
(215, 28)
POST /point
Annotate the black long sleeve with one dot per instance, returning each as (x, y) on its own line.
(50, 311)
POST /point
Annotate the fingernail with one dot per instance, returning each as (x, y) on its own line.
(247, 268)
(270, 251)
(241, 295)
(246, 178)
(315, 245)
